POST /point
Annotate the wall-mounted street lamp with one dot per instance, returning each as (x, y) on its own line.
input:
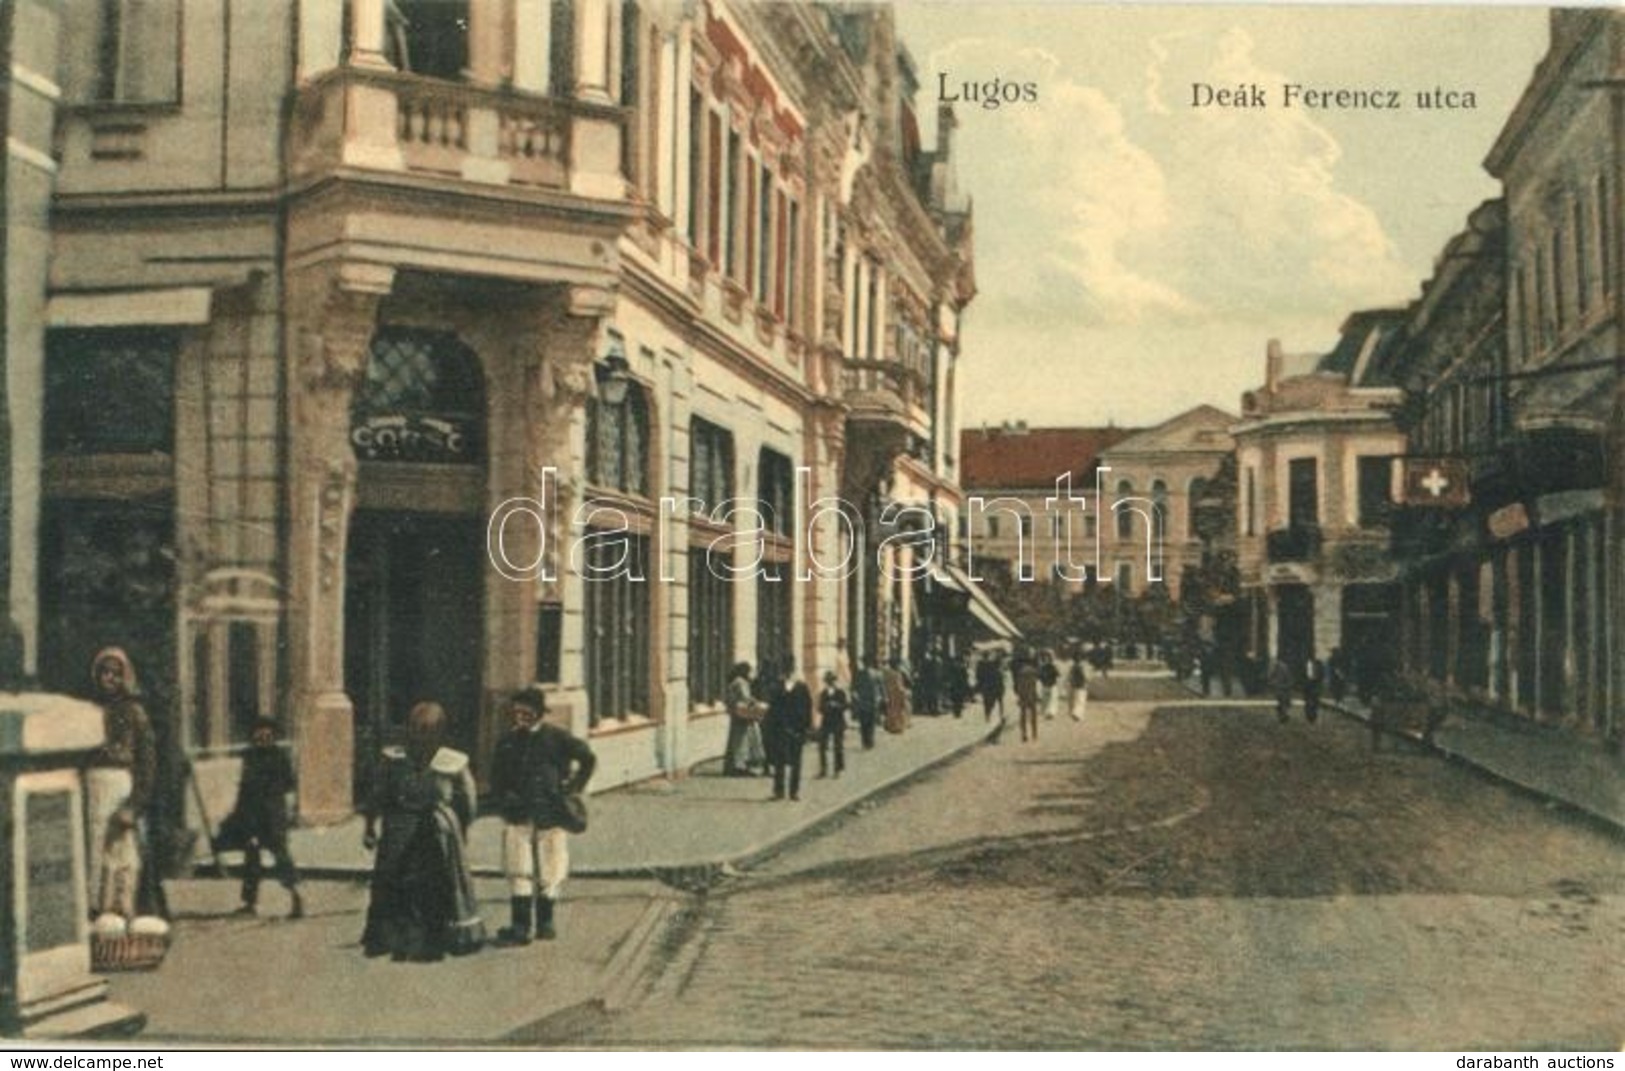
(613, 372)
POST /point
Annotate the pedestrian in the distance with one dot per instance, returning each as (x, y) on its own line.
(785, 729)
(743, 756)
(536, 767)
(1026, 682)
(990, 686)
(1049, 675)
(832, 706)
(1078, 689)
(259, 822)
(868, 695)
(898, 690)
(1337, 674)
(1314, 681)
(1281, 684)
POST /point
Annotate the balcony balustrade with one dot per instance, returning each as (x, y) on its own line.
(357, 117)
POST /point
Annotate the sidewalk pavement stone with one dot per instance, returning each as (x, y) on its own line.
(232, 979)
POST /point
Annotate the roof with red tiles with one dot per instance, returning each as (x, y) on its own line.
(1016, 456)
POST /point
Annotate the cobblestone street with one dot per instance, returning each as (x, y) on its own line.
(1173, 875)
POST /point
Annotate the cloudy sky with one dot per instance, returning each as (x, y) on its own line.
(1133, 253)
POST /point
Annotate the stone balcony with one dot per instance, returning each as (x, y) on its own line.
(886, 392)
(382, 120)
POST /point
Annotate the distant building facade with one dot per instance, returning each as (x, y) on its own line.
(1160, 476)
(1016, 520)
(1315, 450)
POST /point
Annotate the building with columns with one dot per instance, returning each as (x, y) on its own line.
(1315, 450)
(421, 350)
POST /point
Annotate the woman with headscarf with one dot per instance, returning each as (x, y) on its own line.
(120, 784)
(422, 905)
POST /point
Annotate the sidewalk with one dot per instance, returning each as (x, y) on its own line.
(1534, 758)
(263, 980)
(703, 820)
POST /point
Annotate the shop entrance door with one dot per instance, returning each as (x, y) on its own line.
(414, 626)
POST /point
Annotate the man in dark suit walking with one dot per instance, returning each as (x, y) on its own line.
(789, 720)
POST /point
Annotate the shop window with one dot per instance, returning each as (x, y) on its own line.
(110, 391)
(773, 616)
(618, 443)
(107, 578)
(616, 584)
(710, 625)
(423, 400)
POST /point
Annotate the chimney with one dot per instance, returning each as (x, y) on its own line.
(946, 123)
(1272, 364)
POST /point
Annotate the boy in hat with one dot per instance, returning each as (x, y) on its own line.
(536, 766)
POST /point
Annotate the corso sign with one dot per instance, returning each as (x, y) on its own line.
(401, 437)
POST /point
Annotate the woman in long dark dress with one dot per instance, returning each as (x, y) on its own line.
(422, 904)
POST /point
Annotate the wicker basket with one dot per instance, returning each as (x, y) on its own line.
(129, 952)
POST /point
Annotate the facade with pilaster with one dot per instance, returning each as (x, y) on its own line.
(424, 350)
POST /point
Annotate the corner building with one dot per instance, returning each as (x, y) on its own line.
(331, 283)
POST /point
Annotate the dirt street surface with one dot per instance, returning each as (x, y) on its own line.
(1168, 874)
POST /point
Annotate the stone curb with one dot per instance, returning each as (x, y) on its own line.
(700, 871)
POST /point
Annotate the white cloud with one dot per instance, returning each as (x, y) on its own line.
(1137, 209)
(1063, 192)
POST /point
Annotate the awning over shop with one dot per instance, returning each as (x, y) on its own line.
(981, 605)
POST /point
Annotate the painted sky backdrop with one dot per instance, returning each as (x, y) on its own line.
(1134, 254)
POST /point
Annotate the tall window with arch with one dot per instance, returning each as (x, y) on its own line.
(618, 443)
(1125, 514)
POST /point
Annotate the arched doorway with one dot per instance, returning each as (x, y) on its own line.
(414, 606)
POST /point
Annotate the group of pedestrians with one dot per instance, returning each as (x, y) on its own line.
(422, 905)
(774, 716)
(1310, 680)
(1039, 682)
